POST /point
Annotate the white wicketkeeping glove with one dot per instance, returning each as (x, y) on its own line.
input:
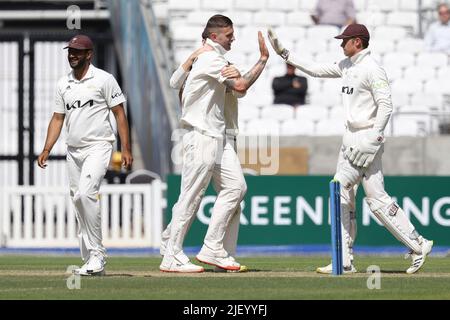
(276, 45)
(363, 153)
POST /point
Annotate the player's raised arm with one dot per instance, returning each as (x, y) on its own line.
(318, 70)
(243, 83)
(53, 132)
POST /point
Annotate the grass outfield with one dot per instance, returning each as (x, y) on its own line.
(285, 278)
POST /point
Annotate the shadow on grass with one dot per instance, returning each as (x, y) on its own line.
(393, 271)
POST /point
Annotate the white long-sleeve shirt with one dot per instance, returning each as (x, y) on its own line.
(231, 103)
(366, 94)
(203, 97)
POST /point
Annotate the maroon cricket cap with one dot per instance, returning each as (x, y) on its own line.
(80, 42)
(354, 30)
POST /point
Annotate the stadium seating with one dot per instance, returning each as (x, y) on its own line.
(407, 19)
(330, 127)
(417, 77)
(420, 72)
(298, 18)
(432, 59)
(278, 112)
(398, 59)
(410, 125)
(263, 127)
(411, 45)
(295, 127)
(312, 112)
(427, 99)
(382, 46)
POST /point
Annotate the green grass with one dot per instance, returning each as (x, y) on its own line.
(285, 278)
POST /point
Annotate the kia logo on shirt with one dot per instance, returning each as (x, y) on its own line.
(347, 90)
(77, 104)
(116, 95)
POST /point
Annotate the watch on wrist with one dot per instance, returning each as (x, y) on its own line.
(285, 54)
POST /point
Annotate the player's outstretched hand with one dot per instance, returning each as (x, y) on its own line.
(276, 45)
(127, 159)
(42, 159)
(262, 46)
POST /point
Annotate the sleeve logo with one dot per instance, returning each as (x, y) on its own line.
(116, 95)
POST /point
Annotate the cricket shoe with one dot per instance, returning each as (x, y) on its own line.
(329, 269)
(95, 266)
(241, 269)
(227, 263)
(419, 259)
(179, 263)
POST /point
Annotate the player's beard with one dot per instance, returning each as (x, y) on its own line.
(77, 65)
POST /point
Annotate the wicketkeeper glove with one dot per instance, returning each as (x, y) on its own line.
(363, 153)
(276, 45)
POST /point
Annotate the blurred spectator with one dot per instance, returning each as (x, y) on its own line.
(115, 174)
(338, 13)
(290, 88)
(437, 37)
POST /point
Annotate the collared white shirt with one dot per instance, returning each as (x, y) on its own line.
(366, 94)
(86, 104)
(437, 37)
(231, 102)
(204, 93)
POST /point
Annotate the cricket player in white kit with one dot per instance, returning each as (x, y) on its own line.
(206, 152)
(367, 102)
(177, 81)
(84, 98)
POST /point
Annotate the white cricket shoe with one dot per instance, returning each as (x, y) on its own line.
(419, 259)
(95, 266)
(329, 269)
(227, 263)
(179, 263)
(242, 268)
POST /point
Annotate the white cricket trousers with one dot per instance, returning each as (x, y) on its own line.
(204, 158)
(87, 167)
(235, 173)
(229, 183)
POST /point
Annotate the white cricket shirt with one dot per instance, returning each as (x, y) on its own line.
(86, 104)
(204, 93)
(231, 102)
(365, 90)
(231, 113)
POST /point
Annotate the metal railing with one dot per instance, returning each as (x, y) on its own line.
(33, 217)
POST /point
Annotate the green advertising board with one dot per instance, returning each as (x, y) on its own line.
(293, 210)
